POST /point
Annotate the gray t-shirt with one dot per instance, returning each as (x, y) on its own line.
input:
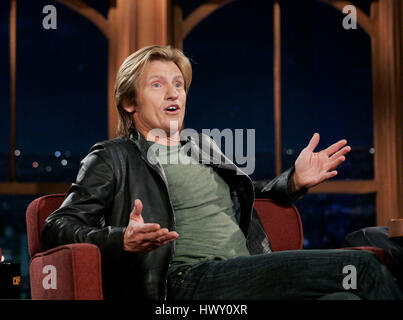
(204, 213)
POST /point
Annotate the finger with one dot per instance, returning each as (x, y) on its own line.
(331, 174)
(165, 237)
(166, 242)
(162, 243)
(341, 152)
(149, 246)
(152, 236)
(147, 227)
(334, 163)
(168, 237)
(313, 143)
(335, 147)
(137, 209)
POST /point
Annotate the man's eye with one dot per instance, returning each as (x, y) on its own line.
(178, 84)
(156, 85)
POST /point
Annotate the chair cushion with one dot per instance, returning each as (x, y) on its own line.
(77, 270)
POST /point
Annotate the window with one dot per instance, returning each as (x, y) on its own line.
(327, 85)
(233, 77)
(61, 92)
(327, 88)
(328, 218)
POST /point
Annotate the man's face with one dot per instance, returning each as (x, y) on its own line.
(161, 98)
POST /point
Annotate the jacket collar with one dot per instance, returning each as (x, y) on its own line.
(142, 144)
(199, 144)
(139, 140)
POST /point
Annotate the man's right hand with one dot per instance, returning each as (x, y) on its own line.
(143, 237)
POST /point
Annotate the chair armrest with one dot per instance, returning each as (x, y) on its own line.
(380, 253)
(73, 273)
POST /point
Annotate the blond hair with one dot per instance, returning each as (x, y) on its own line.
(129, 74)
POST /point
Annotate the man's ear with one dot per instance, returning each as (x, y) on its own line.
(130, 108)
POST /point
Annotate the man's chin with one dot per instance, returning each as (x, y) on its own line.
(166, 131)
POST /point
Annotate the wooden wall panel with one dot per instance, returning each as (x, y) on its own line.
(386, 67)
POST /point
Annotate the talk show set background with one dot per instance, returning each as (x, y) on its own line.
(268, 73)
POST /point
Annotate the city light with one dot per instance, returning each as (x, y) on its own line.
(48, 168)
(371, 150)
(289, 151)
(35, 164)
(57, 154)
(17, 152)
(64, 162)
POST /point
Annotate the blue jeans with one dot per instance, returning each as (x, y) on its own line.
(378, 237)
(296, 274)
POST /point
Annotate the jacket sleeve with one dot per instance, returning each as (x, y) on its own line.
(81, 217)
(277, 188)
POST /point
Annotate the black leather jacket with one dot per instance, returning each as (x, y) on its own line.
(115, 173)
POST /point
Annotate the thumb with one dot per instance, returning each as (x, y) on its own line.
(138, 208)
(314, 142)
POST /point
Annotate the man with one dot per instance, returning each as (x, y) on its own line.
(188, 230)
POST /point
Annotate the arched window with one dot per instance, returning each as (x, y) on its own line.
(61, 92)
(327, 88)
(326, 85)
(232, 88)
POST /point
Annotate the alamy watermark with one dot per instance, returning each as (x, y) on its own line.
(49, 22)
(350, 280)
(350, 20)
(206, 147)
(50, 280)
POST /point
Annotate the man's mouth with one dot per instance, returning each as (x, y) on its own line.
(172, 109)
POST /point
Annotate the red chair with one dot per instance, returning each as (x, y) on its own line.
(283, 226)
(79, 265)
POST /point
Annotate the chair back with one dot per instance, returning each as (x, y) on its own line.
(282, 224)
(37, 212)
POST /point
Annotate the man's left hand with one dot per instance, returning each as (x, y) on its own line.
(312, 168)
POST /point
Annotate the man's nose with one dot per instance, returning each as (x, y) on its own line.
(171, 93)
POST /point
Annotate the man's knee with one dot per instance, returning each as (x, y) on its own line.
(368, 257)
(366, 236)
(363, 260)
